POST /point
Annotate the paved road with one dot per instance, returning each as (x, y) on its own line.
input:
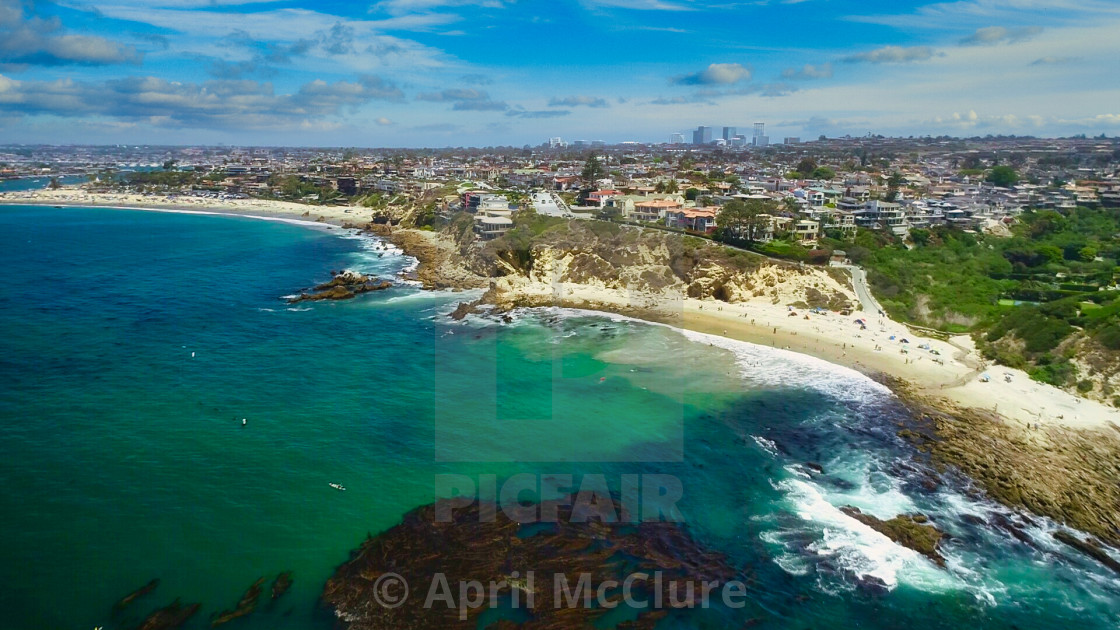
(550, 204)
(863, 292)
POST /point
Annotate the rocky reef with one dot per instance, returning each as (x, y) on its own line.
(134, 595)
(342, 286)
(1070, 476)
(170, 617)
(468, 548)
(912, 531)
(281, 584)
(1089, 547)
(246, 605)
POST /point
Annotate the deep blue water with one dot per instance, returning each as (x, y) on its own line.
(133, 343)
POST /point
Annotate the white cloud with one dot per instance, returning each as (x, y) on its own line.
(402, 7)
(576, 101)
(1000, 34)
(893, 54)
(210, 105)
(715, 74)
(29, 40)
(463, 99)
(954, 15)
(806, 72)
(638, 5)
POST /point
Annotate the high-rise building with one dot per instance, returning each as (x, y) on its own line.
(676, 138)
(702, 135)
(793, 140)
(728, 133)
(759, 130)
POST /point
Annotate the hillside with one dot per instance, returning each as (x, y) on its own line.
(1043, 299)
(542, 255)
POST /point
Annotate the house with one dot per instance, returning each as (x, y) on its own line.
(599, 197)
(882, 215)
(653, 209)
(491, 227)
(626, 204)
(694, 219)
(806, 231)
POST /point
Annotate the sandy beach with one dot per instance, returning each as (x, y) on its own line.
(334, 215)
(947, 372)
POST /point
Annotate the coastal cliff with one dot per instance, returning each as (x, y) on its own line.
(596, 264)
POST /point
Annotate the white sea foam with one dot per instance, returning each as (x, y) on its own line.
(855, 547)
(765, 366)
(775, 367)
(437, 296)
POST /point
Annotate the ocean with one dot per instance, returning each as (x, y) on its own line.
(132, 345)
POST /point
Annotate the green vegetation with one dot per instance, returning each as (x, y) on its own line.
(1003, 176)
(161, 180)
(1028, 298)
(592, 170)
(295, 187)
(823, 172)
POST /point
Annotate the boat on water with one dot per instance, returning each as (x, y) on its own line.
(337, 486)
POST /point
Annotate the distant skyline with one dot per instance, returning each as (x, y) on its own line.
(434, 73)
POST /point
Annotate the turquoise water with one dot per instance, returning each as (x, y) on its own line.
(134, 342)
(37, 183)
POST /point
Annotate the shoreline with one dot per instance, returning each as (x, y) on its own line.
(947, 380)
(1002, 434)
(951, 377)
(338, 216)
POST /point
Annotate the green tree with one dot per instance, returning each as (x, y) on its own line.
(1003, 176)
(742, 221)
(920, 236)
(1052, 253)
(592, 169)
(692, 194)
(823, 172)
(54, 184)
(806, 165)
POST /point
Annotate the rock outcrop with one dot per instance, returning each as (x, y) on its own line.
(1089, 547)
(170, 617)
(1071, 476)
(912, 531)
(246, 605)
(137, 594)
(343, 286)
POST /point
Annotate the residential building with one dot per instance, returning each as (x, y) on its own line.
(694, 219)
(806, 231)
(651, 210)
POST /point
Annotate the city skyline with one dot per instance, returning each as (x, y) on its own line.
(434, 73)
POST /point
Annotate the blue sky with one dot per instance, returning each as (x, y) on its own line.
(489, 72)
